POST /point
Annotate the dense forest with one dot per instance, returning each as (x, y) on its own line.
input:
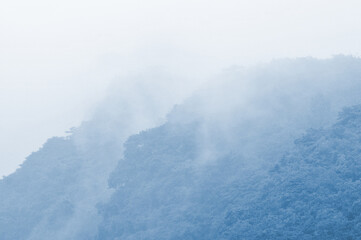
(269, 152)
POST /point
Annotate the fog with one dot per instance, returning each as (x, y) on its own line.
(58, 60)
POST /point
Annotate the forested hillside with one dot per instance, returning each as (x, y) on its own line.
(312, 192)
(30, 194)
(269, 152)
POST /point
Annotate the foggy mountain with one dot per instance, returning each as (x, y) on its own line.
(238, 159)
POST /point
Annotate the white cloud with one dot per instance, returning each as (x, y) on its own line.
(57, 57)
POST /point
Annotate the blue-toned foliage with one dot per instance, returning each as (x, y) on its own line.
(30, 195)
(224, 165)
(313, 192)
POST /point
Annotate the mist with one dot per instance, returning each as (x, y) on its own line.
(155, 151)
(58, 59)
(180, 119)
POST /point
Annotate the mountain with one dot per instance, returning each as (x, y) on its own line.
(37, 189)
(236, 160)
(220, 168)
(312, 192)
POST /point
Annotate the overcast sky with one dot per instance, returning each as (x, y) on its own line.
(58, 57)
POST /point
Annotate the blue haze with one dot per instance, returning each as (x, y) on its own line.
(269, 152)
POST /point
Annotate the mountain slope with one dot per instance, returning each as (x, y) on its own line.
(162, 192)
(28, 195)
(190, 177)
(314, 192)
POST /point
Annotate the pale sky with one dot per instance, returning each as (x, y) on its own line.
(58, 57)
